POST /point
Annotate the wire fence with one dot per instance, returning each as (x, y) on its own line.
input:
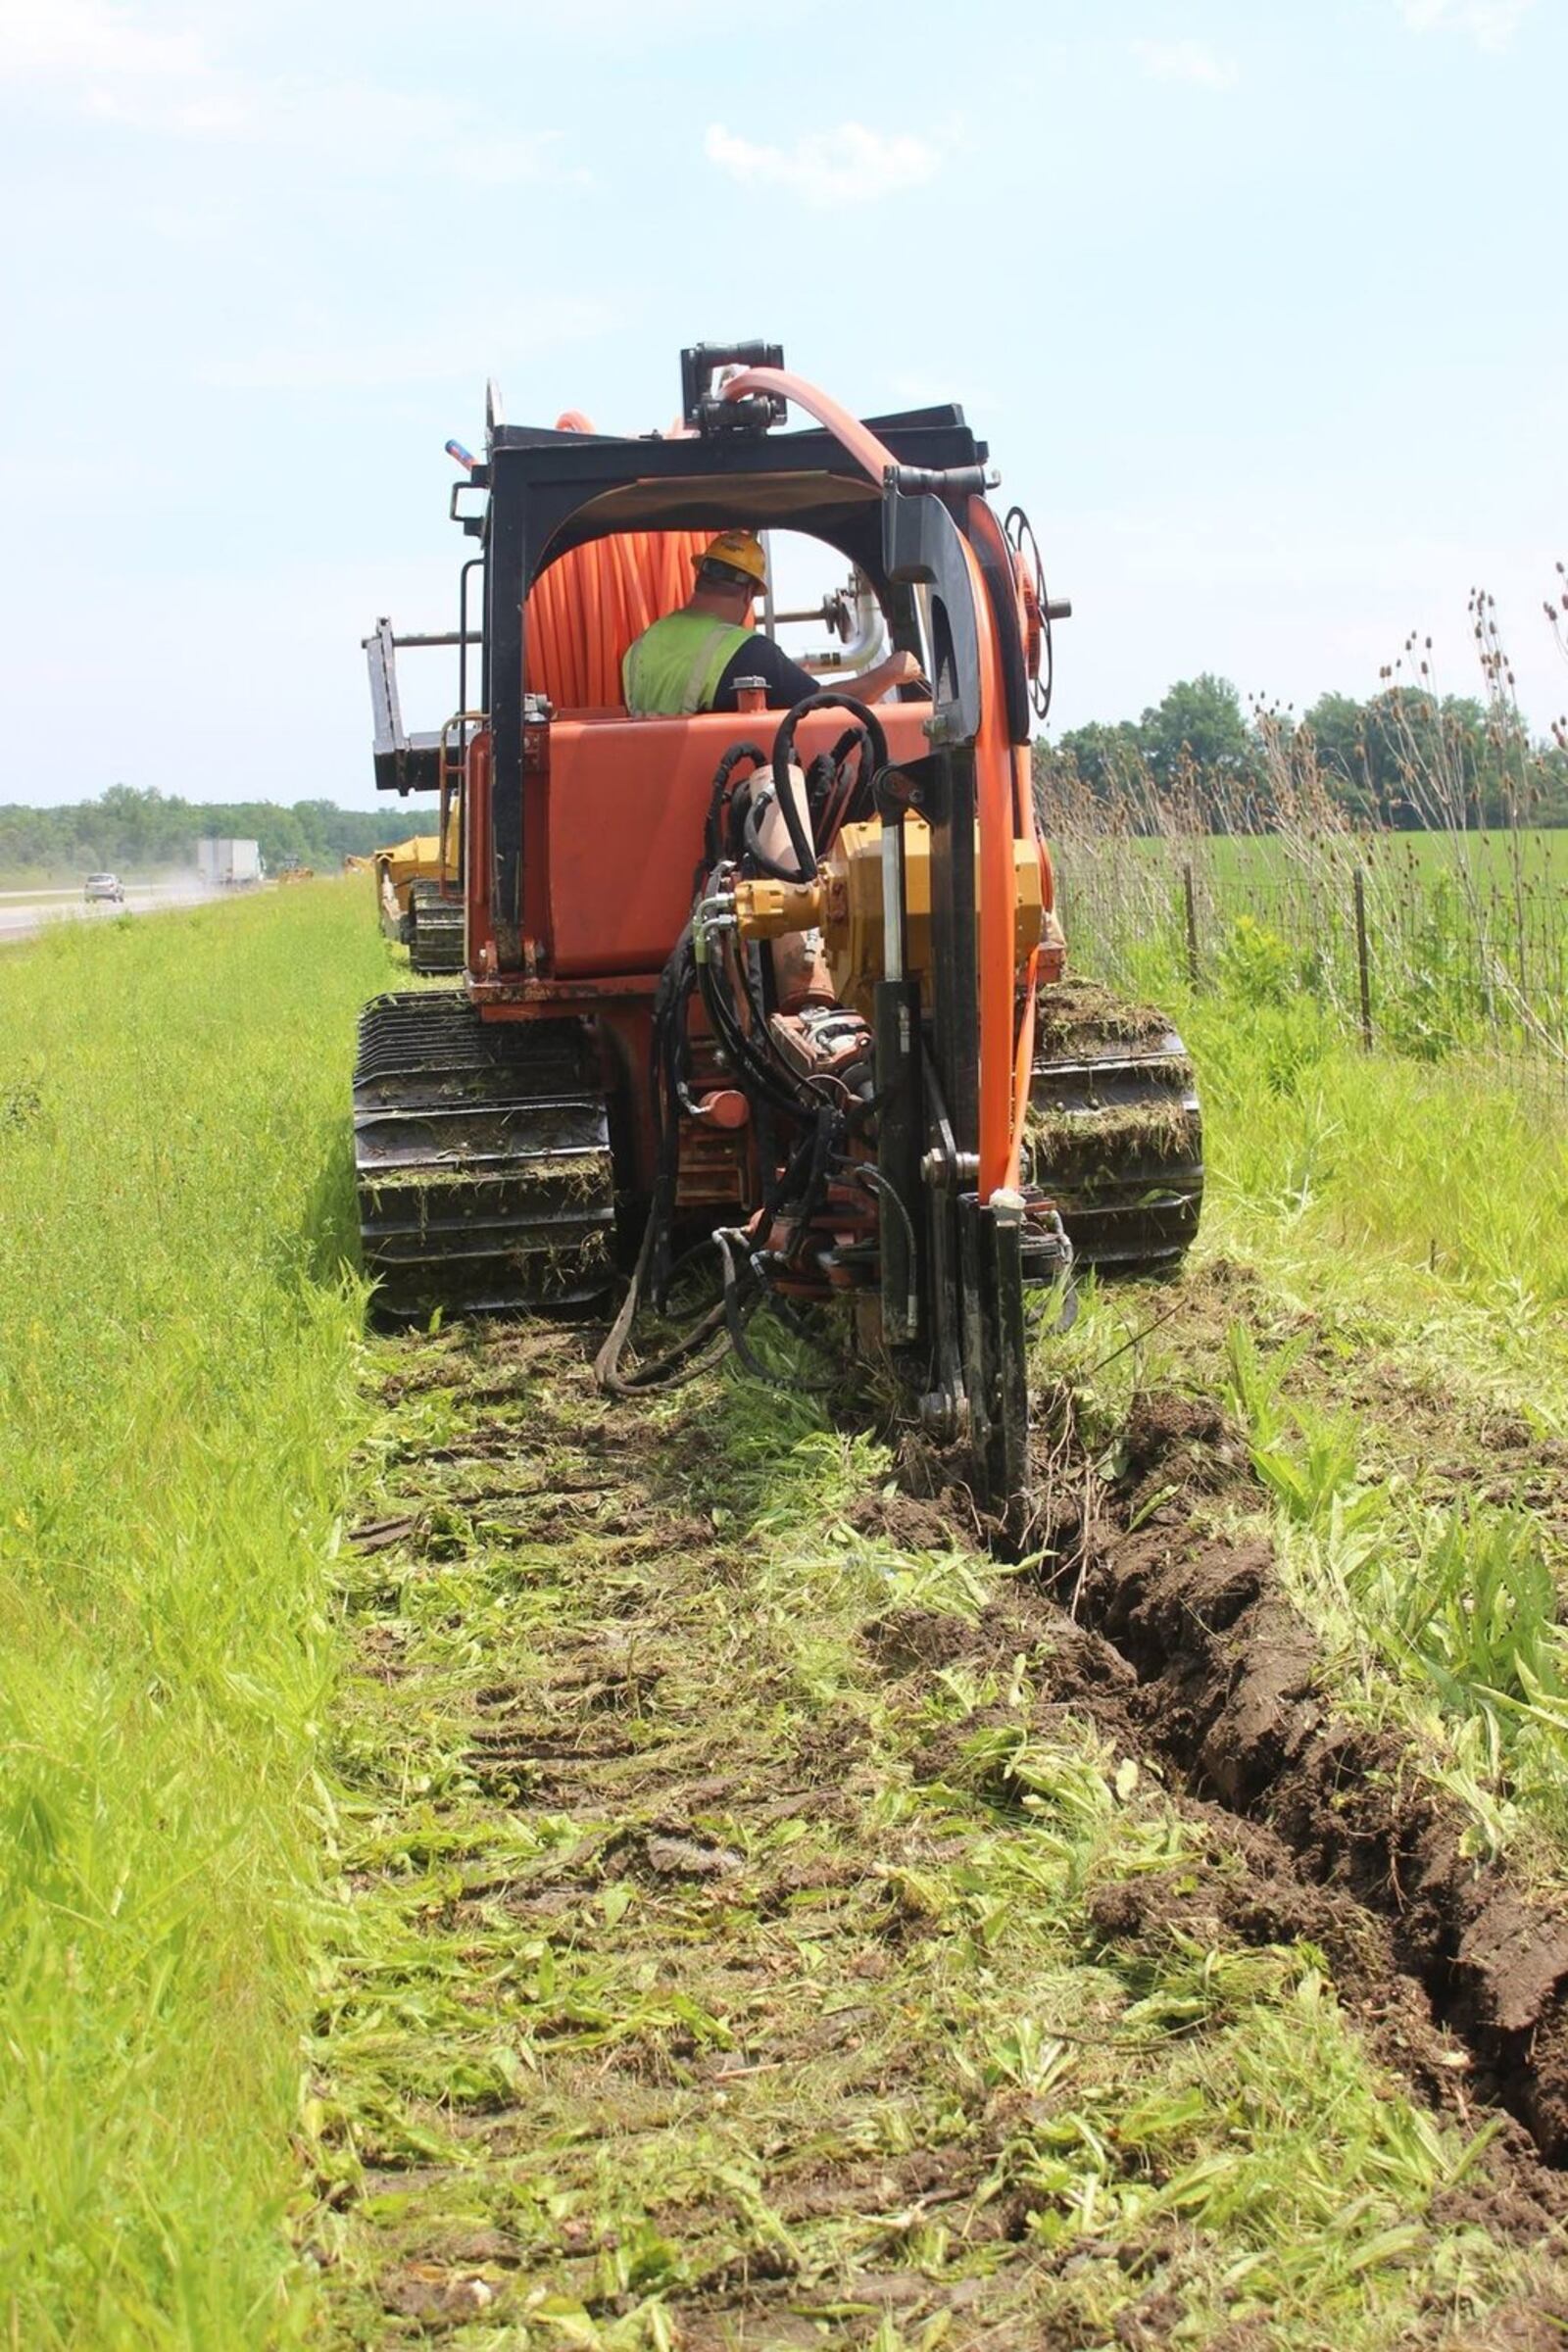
(1428, 945)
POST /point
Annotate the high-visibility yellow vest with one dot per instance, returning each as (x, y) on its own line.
(674, 667)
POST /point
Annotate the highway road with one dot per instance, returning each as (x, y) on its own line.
(24, 912)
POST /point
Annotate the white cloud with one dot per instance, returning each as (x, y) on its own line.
(80, 39)
(1186, 60)
(849, 165)
(111, 67)
(1490, 23)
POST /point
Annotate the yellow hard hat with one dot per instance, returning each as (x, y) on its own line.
(738, 550)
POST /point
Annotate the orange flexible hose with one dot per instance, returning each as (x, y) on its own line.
(1023, 1064)
(847, 432)
(1006, 1053)
(1002, 1099)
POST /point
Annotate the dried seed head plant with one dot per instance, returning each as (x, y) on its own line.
(1434, 811)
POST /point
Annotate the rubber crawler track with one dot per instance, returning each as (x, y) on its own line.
(1114, 1133)
(435, 930)
(482, 1159)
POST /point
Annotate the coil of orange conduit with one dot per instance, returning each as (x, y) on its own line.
(587, 607)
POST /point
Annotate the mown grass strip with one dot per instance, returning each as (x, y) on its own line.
(178, 1353)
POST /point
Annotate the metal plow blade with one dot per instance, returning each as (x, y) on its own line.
(482, 1159)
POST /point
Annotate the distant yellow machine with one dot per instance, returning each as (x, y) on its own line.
(417, 887)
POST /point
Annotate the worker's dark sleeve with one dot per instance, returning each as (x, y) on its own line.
(786, 682)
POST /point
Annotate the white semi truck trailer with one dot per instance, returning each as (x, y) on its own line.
(228, 864)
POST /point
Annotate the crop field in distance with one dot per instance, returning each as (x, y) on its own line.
(1430, 945)
(483, 1865)
(1401, 887)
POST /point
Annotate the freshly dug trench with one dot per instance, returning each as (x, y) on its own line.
(1223, 1679)
(1228, 1687)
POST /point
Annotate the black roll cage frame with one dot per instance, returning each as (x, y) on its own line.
(552, 491)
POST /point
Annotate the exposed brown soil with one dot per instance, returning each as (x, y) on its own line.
(1215, 1671)
(1228, 1687)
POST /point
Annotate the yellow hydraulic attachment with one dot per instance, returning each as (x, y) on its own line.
(844, 903)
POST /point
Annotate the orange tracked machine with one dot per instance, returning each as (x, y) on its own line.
(760, 1006)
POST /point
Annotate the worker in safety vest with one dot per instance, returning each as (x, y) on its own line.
(691, 659)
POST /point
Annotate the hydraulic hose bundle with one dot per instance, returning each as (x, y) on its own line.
(810, 1127)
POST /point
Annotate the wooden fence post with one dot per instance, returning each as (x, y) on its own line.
(1362, 964)
(1190, 895)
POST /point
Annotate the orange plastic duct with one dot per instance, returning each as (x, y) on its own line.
(851, 434)
(586, 607)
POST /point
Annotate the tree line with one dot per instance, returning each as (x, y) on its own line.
(137, 832)
(1405, 759)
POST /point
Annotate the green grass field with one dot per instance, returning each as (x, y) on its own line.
(339, 1978)
(1462, 942)
(1540, 852)
(178, 1367)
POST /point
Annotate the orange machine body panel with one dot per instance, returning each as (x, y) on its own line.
(624, 811)
(613, 817)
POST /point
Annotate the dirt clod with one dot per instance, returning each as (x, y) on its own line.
(687, 1858)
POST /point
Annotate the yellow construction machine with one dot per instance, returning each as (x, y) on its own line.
(419, 902)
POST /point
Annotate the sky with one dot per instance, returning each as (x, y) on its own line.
(1261, 309)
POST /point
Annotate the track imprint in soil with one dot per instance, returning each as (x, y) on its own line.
(764, 1901)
